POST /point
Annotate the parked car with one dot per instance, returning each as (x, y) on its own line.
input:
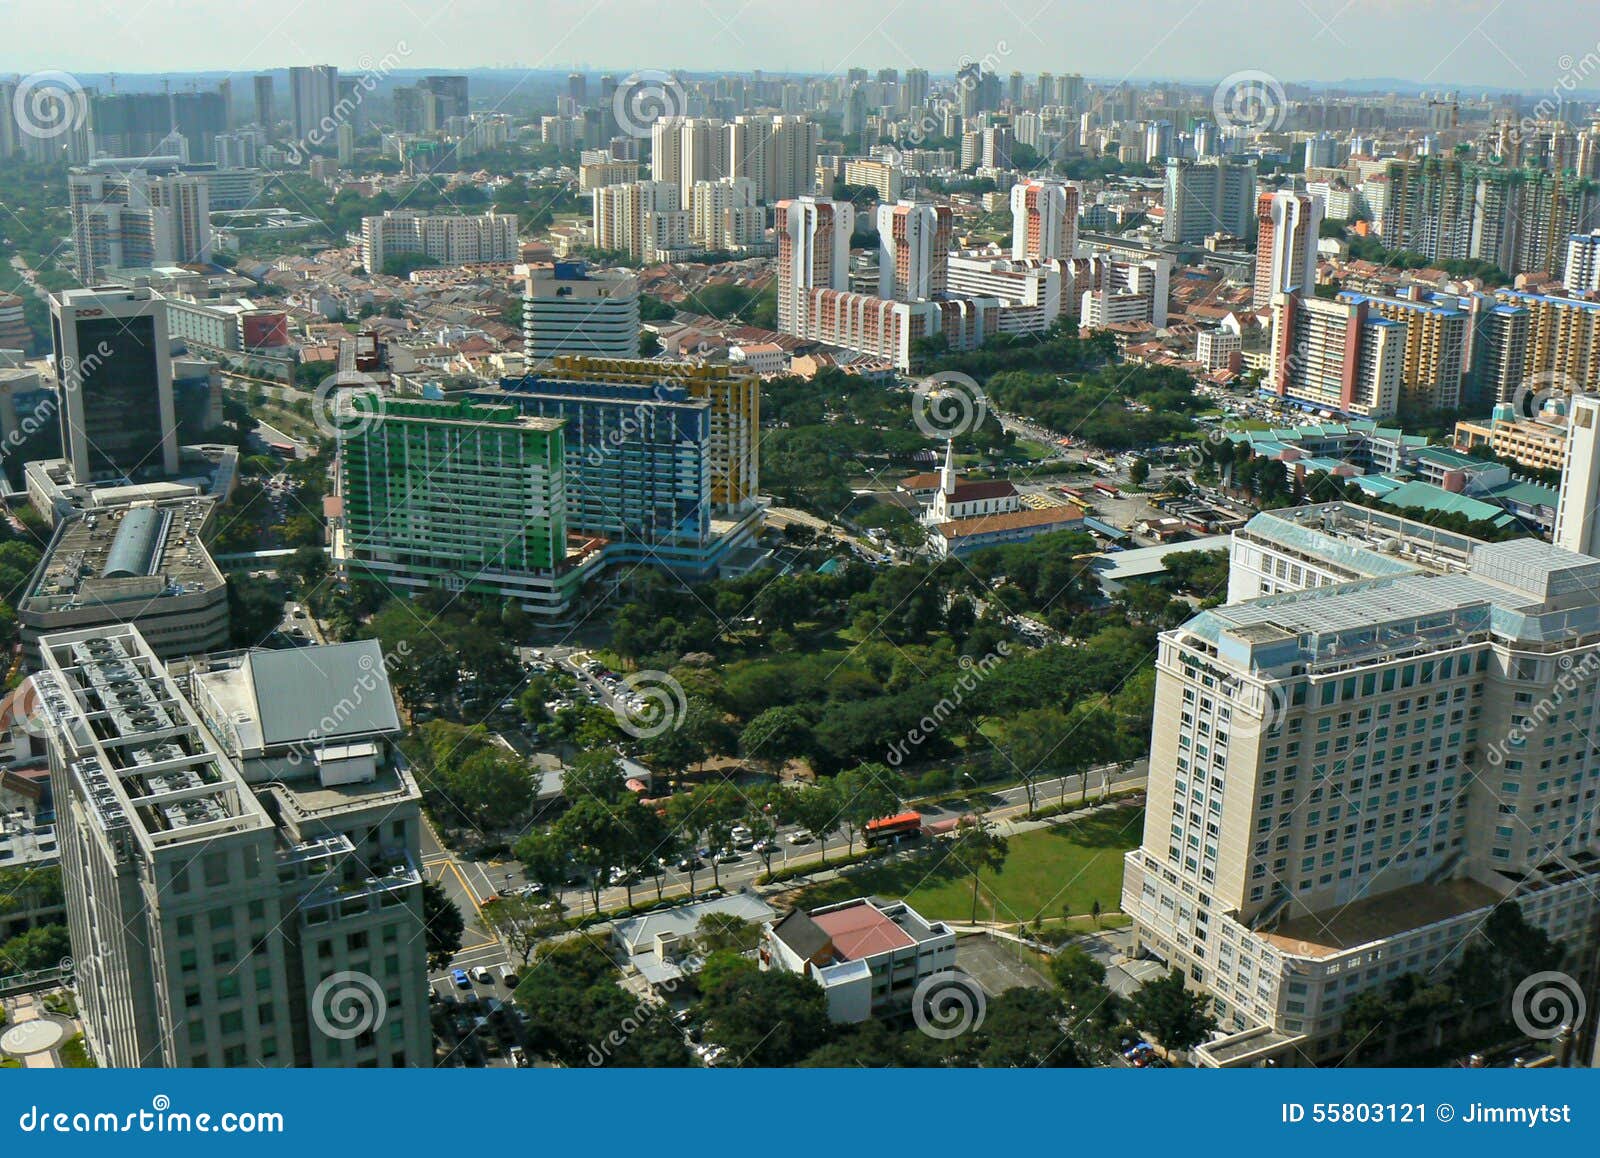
(508, 977)
(459, 976)
(519, 1057)
(482, 976)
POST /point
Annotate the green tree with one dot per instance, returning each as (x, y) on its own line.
(977, 846)
(1036, 742)
(41, 947)
(776, 735)
(1021, 1029)
(816, 809)
(1173, 1014)
(442, 925)
(766, 1018)
(726, 931)
(864, 793)
(492, 791)
(522, 923)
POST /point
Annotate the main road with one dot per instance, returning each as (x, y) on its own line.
(471, 883)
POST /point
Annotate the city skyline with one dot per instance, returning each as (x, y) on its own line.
(1500, 49)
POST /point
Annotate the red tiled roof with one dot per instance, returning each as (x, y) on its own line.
(972, 492)
(1010, 521)
(861, 931)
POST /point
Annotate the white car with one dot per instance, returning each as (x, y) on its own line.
(482, 976)
(800, 836)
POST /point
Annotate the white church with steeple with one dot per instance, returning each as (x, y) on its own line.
(957, 499)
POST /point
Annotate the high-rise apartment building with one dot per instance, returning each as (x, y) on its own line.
(1287, 225)
(1339, 355)
(777, 153)
(199, 117)
(313, 95)
(449, 239)
(1578, 511)
(1557, 338)
(645, 219)
(451, 92)
(1044, 220)
(1436, 340)
(131, 124)
(1208, 196)
(567, 310)
(266, 106)
(813, 253)
(1521, 220)
(638, 463)
(240, 861)
(113, 361)
(128, 216)
(734, 396)
(457, 496)
(723, 214)
(913, 250)
(1383, 735)
(1582, 272)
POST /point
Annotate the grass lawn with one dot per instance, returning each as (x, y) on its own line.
(74, 1054)
(1048, 871)
(1032, 448)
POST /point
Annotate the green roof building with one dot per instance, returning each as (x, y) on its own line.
(458, 496)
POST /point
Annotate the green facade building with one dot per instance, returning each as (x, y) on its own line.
(458, 496)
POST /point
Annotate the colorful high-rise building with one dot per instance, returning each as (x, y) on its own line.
(813, 253)
(1044, 220)
(457, 496)
(913, 250)
(1287, 226)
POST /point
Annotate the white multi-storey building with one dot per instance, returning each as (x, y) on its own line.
(567, 310)
(723, 214)
(1044, 220)
(1582, 271)
(1034, 291)
(1382, 736)
(449, 239)
(136, 218)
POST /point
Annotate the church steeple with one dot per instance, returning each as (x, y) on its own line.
(947, 476)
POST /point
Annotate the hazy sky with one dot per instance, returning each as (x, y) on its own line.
(1529, 45)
